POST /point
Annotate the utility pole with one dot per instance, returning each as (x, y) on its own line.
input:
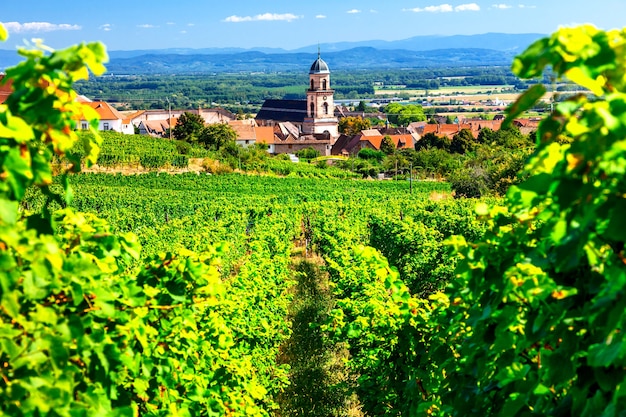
(169, 121)
(411, 179)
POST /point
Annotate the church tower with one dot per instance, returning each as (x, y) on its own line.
(320, 115)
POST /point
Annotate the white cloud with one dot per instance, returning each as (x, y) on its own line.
(170, 23)
(523, 6)
(353, 11)
(16, 27)
(191, 24)
(106, 27)
(320, 16)
(373, 11)
(501, 6)
(446, 8)
(288, 17)
(469, 7)
(183, 32)
(442, 8)
(147, 26)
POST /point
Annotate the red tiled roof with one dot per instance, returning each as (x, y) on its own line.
(243, 130)
(526, 122)
(264, 134)
(448, 130)
(370, 132)
(136, 114)
(401, 141)
(105, 110)
(159, 127)
(430, 128)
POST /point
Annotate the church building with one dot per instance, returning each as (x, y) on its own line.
(321, 106)
(313, 119)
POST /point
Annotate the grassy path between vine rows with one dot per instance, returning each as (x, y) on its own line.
(320, 385)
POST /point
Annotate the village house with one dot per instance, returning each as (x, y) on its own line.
(265, 135)
(157, 128)
(245, 130)
(158, 123)
(527, 126)
(110, 118)
(372, 139)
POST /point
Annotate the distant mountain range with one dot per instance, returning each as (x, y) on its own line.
(416, 52)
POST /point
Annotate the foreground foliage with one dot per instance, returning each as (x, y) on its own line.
(536, 316)
(88, 327)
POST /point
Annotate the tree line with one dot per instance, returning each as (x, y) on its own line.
(247, 91)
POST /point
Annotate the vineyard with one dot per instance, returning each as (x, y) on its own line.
(244, 295)
(269, 226)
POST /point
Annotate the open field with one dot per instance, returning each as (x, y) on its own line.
(454, 90)
(495, 97)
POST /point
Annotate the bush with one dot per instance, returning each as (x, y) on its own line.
(469, 183)
(321, 164)
(182, 147)
(308, 153)
(214, 166)
(369, 154)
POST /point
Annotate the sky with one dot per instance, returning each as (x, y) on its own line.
(286, 24)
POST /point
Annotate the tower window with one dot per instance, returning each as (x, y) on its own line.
(325, 108)
(312, 113)
(312, 85)
(324, 84)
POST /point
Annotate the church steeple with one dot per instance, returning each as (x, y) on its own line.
(320, 104)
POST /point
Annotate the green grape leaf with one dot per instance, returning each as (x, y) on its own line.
(8, 211)
(524, 102)
(605, 354)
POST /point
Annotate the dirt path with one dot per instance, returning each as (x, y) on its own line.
(319, 381)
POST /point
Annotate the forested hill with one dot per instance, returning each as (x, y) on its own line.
(361, 58)
(417, 52)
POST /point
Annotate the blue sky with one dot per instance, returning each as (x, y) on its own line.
(158, 24)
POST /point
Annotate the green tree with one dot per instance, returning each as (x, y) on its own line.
(437, 162)
(486, 135)
(353, 125)
(463, 142)
(387, 146)
(396, 162)
(189, 127)
(431, 140)
(217, 135)
(404, 114)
